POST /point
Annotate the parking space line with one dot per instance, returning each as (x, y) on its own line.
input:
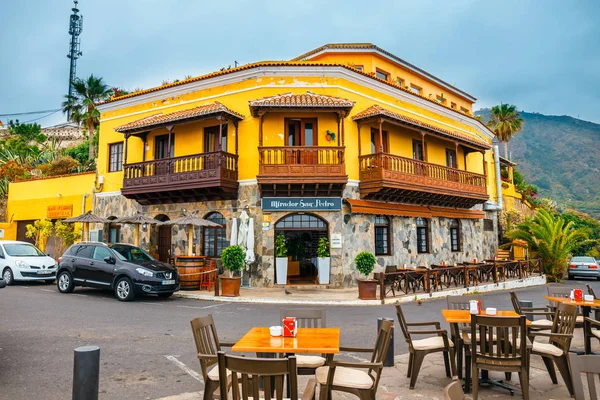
(185, 368)
(202, 308)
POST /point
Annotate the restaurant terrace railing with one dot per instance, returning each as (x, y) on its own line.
(295, 155)
(440, 277)
(372, 167)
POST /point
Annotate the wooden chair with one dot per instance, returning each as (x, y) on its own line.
(390, 281)
(207, 346)
(595, 309)
(561, 291)
(413, 280)
(461, 303)
(593, 333)
(251, 373)
(502, 346)
(557, 350)
(360, 379)
(418, 349)
(590, 366)
(307, 318)
(536, 324)
(454, 391)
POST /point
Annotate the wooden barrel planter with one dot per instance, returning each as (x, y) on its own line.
(187, 265)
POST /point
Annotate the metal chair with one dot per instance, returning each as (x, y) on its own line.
(307, 318)
(502, 346)
(252, 373)
(557, 350)
(590, 366)
(207, 346)
(461, 303)
(360, 379)
(537, 324)
(418, 349)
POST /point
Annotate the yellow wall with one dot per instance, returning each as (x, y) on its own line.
(30, 200)
(10, 230)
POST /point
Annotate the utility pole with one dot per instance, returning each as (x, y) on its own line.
(75, 28)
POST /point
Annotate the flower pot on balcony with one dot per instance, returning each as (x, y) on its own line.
(367, 289)
(324, 266)
(230, 286)
(281, 265)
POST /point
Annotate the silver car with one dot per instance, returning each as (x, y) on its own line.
(585, 267)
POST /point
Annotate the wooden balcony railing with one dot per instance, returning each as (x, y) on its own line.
(302, 161)
(177, 165)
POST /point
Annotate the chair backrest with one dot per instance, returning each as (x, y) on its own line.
(454, 391)
(252, 374)
(502, 341)
(557, 291)
(462, 303)
(564, 323)
(306, 318)
(402, 323)
(591, 291)
(590, 366)
(207, 342)
(384, 336)
(390, 279)
(515, 302)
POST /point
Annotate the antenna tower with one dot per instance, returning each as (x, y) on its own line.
(75, 28)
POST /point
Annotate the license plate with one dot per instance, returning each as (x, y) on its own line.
(44, 272)
(169, 282)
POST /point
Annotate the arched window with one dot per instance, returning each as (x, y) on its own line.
(301, 221)
(422, 235)
(382, 236)
(214, 237)
(454, 235)
(114, 231)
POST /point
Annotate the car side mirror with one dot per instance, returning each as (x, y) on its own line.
(109, 260)
(2, 256)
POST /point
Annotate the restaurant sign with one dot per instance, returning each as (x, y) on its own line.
(302, 203)
(60, 211)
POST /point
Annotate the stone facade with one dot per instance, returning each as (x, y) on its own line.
(357, 231)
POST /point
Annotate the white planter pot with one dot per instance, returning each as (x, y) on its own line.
(281, 264)
(323, 265)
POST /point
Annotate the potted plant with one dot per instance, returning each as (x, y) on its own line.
(281, 260)
(233, 258)
(367, 288)
(323, 261)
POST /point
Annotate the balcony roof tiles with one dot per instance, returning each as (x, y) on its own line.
(304, 100)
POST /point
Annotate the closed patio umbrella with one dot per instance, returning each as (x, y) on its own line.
(86, 219)
(191, 220)
(137, 219)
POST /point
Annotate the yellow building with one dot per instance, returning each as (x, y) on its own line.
(347, 142)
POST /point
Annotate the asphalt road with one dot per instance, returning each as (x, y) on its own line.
(147, 349)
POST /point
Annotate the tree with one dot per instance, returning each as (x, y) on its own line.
(505, 122)
(82, 106)
(66, 234)
(552, 239)
(40, 231)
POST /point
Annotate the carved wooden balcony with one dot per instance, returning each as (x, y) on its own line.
(393, 178)
(197, 177)
(302, 171)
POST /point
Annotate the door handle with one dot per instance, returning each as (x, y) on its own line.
(92, 263)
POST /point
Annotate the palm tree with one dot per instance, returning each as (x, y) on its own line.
(81, 107)
(551, 239)
(505, 122)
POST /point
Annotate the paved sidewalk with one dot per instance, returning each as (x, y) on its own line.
(314, 295)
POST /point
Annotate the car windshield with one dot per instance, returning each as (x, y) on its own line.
(583, 259)
(131, 253)
(22, 250)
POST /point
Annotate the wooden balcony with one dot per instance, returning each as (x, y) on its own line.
(197, 177)
(393, 178)
(302, 171)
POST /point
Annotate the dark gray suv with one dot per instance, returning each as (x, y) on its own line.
(126, 269)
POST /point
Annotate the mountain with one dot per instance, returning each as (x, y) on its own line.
(561, 155)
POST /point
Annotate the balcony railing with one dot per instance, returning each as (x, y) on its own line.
(179, 165)
(298, 161)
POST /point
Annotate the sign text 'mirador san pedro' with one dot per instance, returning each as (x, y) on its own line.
(301, 204)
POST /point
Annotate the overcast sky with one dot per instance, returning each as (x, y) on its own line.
(542, 55)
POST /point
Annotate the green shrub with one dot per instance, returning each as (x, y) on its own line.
(323, 249)
(365, 263)
(280, 246)
(233, 258)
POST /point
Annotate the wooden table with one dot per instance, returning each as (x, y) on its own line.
(587, 307)
(307, 341)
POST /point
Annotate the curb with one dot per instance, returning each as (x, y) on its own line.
(491, 287)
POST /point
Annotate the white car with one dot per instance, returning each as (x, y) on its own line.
(22, 261)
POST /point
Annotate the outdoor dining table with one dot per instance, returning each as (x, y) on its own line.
(423, 270)
(587, 307)
(455, 317)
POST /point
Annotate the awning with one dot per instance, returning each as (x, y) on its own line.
(407, 210)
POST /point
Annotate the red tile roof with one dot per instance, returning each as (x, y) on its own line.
(376, 110)
(192, 113)
(304, 100)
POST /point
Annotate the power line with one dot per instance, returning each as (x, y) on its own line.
(45, 116)
(31, 112)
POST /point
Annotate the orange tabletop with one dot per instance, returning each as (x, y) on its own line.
(464, 316)
(566, 300)
(307, 340)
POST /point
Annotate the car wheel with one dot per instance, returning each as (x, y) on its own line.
(8, 276)
(124, 289)
(165, 295)
(65, 282)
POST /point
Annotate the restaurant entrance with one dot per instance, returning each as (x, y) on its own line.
(302, 232)
(163, 239)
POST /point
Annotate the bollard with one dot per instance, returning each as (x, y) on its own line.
(527, 303)
(86, 373)
(389, 357)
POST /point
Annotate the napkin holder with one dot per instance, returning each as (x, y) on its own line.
(290, 327)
